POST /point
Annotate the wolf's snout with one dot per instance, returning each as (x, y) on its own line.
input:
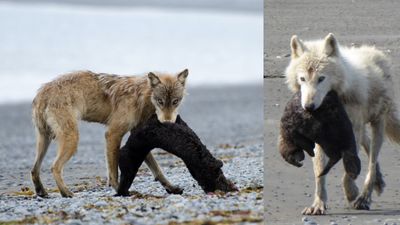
(310, 107)
(166, 118)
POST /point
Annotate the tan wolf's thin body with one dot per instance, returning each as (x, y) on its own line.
(119, 102)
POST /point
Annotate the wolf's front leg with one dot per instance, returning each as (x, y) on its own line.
(159, 175)
(113, 139)
(319, 205)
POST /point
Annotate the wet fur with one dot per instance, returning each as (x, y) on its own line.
(362, 79)
(328, 126)
(120, 102)
(178, 139)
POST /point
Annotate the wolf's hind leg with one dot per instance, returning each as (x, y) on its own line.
(319, 205)
(364, 200)
(64, 124)
(379, 184)
(67, 146)
(42, 144)
(159, 175)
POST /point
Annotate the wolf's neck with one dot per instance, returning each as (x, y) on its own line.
(350, 84)
(135, 89)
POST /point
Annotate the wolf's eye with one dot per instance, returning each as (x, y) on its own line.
(302, 79)
(175, 102)
(320, 79)
(160, 101)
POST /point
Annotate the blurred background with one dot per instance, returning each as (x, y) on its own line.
(219, 41)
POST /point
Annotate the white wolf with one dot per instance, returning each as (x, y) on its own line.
(361, 78)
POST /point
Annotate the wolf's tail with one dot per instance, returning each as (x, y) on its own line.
(392, 124)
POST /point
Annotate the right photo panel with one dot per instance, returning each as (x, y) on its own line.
(332, 112)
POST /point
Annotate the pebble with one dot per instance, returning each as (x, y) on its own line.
(74, 222)
(101, 203)
(98, 206)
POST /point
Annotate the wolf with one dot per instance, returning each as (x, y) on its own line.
(178, 139)
(120, 102)
(361, 77)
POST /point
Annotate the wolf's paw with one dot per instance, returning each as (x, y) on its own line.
(67, 194)
(122, 193)
(42, 194)
(362, 203)
(113, 184)
(318, 208)
(174, 190)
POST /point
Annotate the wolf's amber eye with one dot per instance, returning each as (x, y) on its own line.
(320, 79)
(302, 79)
(160, 101)
(175, 102)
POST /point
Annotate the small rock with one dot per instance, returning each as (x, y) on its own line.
(73, 222)
(101, 203)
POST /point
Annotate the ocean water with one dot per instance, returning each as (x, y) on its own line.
(38, 42)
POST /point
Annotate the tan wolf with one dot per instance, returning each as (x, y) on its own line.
(119, 102)
(361, 77)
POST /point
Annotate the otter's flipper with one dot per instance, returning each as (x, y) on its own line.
(329, 165)
(352, 164)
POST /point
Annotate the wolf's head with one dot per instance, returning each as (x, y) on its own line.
(313, 69)
(167, 94)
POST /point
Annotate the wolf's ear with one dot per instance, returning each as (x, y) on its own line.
(331, 45)
(182, 76)
(153, 79)
(296, 46)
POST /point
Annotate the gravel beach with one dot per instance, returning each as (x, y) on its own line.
(227, 119)
(289, 189)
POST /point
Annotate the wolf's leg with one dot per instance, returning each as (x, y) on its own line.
(42, 144)
(320, 197)
(350, 188)
(114, 137)
(159, 175)
(364, 200)
(68, 144)
(379, 184)
(65, 126)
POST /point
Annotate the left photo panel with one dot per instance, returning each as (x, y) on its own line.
(131, 112)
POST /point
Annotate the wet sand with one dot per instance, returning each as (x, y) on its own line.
(288, 189)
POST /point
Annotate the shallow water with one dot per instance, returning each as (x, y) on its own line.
(39, 42)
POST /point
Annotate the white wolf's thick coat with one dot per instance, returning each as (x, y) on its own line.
(361, 77)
